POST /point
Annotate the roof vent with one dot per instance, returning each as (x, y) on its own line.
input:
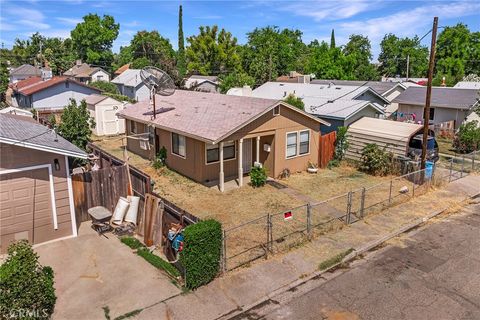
(337, 88)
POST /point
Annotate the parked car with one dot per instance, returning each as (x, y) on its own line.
(415, 148)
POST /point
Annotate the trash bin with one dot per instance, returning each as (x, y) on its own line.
(429, 169)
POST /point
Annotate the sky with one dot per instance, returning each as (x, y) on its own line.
(316, 19)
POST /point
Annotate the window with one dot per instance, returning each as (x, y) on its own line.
(291, 144)
(133, 127)
(213, 152)
(151, 134)
(304, 142)
(432, 113)
(178, 145)
(298, 143)
(276, 111)
(99, 77)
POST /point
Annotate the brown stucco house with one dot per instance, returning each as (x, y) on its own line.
(211, 137)
(36, 197)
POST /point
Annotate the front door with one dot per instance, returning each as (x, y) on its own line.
(247, 155)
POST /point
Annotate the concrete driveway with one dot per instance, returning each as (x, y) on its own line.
(92, 272)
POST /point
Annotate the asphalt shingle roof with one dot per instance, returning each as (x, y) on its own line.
(442, 97)
(379, 86)
(22, 131)
(26, 70)
(129, 78)
(32, 85)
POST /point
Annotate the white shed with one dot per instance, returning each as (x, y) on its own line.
(393, 135)
(104, 110)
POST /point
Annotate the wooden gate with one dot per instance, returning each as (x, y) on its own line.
(327, 149)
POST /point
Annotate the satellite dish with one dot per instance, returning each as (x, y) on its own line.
(158, 81)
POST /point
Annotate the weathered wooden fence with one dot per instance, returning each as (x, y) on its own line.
(327, 149)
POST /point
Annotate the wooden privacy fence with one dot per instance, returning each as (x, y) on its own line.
(327, 149)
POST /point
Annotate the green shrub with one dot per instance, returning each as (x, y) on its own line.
(201, 252)
(467, 138)
(132, 242)
(258, 176)
(160, 159)
(105, 86)
(26, 287)
(376, 161)
(158, 262)
(333, 164)
(341, 143)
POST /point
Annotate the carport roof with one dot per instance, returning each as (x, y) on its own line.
(25, 132)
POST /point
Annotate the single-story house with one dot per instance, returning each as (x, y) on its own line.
(23, 72)
(202, 83)
(447, 104)
(104, 110)
(36, 197)
(49, 96)
(212, 137)
(130, 84)
(295, 77)
(336, 104)
(85, 73)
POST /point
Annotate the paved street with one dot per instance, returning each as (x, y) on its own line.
(431, 273)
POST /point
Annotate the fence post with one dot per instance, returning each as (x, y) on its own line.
(224, 252)
(473, 160)
(463, 165)
(362, 203)
(309, 221)
(269, 235)
(451, 167)
(349, 207)
(390, 193)
(413, 186)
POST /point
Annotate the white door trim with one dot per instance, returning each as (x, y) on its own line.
(52, 188)
(70, 199)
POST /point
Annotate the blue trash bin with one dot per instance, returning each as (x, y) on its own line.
(429, 169)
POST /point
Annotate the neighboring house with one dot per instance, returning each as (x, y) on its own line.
(202, 83)
(407, 81)
(23, 72)
(51, 95)
(130, 84)
(336, 104)
(84, 73)
(36, 200)
(388, 90)
(17, 111)
(211, 138)
(448, 105)
(121, 69)
(104, 110)
(467, 85)
(295, 77)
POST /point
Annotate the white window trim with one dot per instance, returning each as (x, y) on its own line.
(224, 160)
(133, 125)
(273, 111)
(298, 144)
(171, 145)
(52, 188)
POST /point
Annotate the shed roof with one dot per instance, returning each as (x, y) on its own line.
(394, 130)
(129, 78)
(93, 99)
(204, 116)
(442, 97)
(25, 132)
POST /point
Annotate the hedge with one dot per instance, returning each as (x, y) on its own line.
(26, 287)
(201, 252)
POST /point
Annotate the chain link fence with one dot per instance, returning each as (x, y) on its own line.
(279, 232)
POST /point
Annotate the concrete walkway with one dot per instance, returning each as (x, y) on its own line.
(238, 290)
(92, 272)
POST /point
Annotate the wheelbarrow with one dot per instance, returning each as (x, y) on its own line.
(100, 219)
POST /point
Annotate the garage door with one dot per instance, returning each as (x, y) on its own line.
(25, 205)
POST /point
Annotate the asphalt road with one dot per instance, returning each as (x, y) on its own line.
(431, 273)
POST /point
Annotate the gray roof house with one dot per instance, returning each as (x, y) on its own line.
(336, 104)
(35, 176)
(202, 83)
(130, 84)
(449, 106)
(85, 73)
(23, 72)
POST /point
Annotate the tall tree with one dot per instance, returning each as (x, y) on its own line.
(327, 63)
(271, 52)
(93, 39)
(457, 54)
(394, 53)
(332, 39)
(76, 124)
(235, 79)
(4, 79)
(359, 51)
(181, 63)
(212, 52)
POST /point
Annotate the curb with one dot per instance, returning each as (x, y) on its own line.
(356, 252)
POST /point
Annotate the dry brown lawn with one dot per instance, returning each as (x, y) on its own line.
(243, 204)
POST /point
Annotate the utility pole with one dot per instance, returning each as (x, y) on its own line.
(408, 65)
(426, 111)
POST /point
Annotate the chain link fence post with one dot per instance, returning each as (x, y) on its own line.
(450, 174)
(413, 186)
(309, 221)
(463, 165)
(390, 192)
(268, 246)
(349, 207)
(473, 160)
(362, 203)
